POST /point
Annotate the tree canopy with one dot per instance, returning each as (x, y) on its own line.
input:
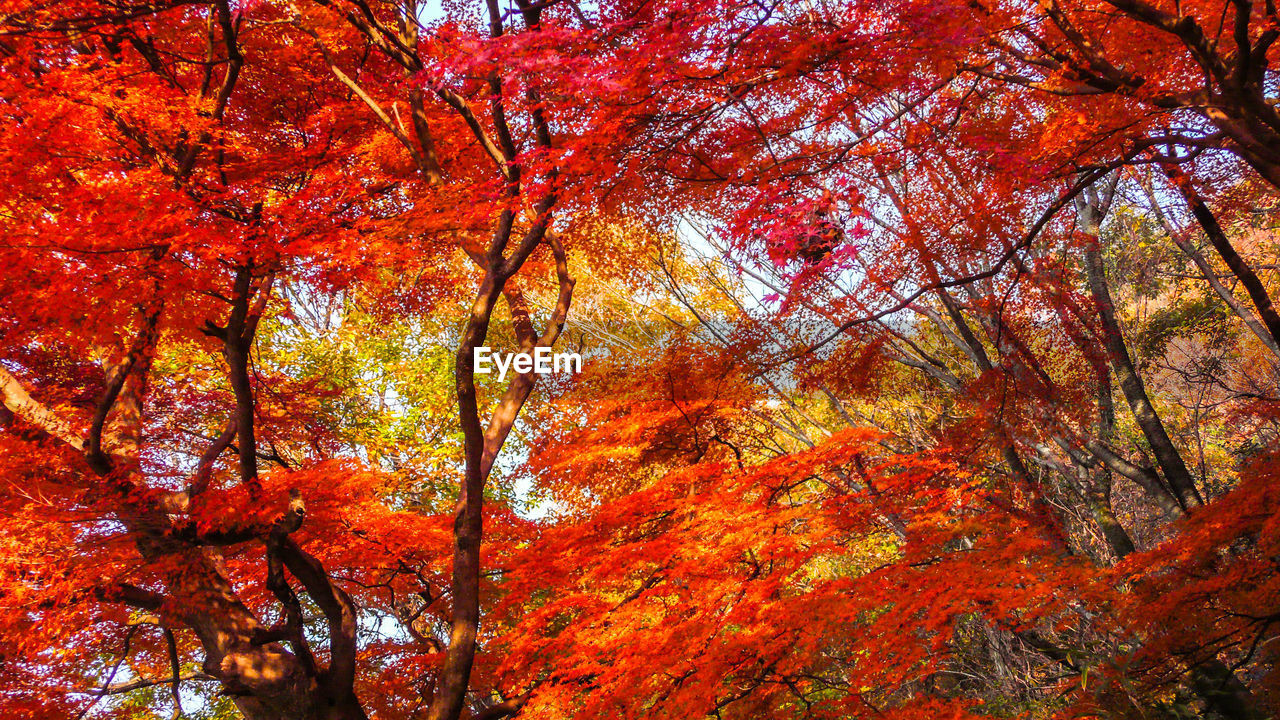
(931, 363)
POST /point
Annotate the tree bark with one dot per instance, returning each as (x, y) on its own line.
(1131, 385)
(1245, 274)
(1211, 276)
(1098, 494)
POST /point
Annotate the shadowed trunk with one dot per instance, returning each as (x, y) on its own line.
(1134, 391)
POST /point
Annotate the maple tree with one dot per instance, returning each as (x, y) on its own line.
(931, 348)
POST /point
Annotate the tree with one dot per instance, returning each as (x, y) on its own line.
(913, 388)
(235, 201)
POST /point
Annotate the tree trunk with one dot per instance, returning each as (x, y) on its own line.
(1131, 386)
(1209, 223)
(1223, 693)
(1099, 491)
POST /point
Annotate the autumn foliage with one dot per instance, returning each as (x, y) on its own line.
(932, 366)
